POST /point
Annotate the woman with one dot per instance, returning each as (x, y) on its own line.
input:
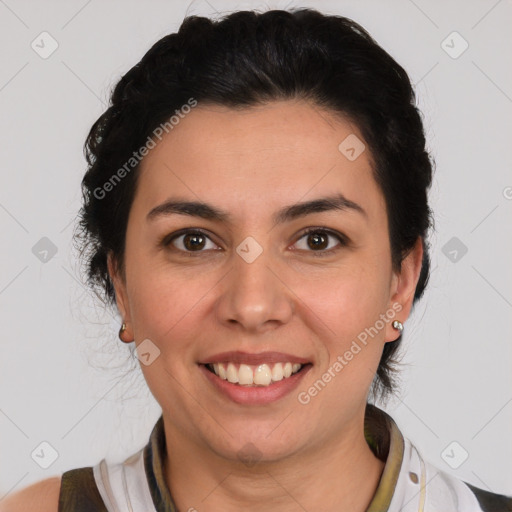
(256, 207)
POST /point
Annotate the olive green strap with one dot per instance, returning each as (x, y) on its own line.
(79, 492)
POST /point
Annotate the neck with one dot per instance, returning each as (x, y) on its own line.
(335, 474)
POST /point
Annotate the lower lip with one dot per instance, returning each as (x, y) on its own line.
(255, 395)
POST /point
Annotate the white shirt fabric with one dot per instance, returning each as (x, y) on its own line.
(408, 483)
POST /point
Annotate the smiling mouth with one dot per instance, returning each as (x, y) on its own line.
(255, 375)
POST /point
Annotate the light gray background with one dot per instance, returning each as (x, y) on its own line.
(64, 375)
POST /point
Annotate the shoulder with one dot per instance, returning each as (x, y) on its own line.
(424, 486)
(447, 488)
(491, 501)
(42, 496)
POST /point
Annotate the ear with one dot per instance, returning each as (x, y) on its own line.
(120, 288)
(403, 287)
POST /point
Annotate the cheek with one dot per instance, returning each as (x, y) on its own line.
(350, 305)
(166, 311)
(356, 294)
(166, 304)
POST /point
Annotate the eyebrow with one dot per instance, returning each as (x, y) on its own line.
(206, 211)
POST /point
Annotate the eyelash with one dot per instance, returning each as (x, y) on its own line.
(168, 239)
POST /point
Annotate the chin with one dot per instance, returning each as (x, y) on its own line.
(255, 446)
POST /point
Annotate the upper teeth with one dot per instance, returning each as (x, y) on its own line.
(260, 375)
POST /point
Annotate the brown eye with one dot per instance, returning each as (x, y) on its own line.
(318, 240)
(195, 241)
(190, 241)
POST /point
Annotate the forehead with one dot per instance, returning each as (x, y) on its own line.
(281, 152)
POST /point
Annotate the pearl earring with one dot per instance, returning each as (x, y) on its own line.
(399, 326)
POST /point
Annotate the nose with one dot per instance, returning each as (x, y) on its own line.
(254, 295)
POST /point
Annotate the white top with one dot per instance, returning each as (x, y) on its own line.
(408, 483)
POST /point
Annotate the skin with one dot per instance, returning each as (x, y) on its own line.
(251, 163)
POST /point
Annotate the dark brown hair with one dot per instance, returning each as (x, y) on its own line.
(245, 59)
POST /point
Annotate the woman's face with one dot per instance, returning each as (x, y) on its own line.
(252, 289)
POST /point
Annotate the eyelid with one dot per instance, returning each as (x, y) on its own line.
(329, 231)
(343, 240)
(168, 239)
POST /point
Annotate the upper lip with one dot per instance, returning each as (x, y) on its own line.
(254, 359)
